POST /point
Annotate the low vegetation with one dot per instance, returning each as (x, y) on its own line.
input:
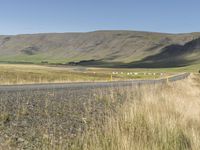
(145, 117)
(28, 74)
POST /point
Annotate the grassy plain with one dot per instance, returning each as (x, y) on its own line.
(28, 74)
(145, 117)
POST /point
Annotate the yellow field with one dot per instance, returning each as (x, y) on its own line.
(28, 74)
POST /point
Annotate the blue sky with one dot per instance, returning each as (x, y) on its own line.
(36, 16)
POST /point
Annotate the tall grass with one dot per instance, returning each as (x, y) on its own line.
(161, 117)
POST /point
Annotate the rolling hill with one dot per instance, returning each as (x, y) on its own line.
(103, 48)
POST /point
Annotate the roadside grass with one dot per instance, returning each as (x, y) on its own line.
(158, 117)
(163, 117)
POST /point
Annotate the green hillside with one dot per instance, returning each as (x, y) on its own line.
(103, 48)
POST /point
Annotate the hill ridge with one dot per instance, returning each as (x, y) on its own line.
(111, 47)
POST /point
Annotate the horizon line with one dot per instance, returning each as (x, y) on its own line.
(103, 30)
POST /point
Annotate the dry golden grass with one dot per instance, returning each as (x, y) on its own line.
(30, 74)
(161, 117)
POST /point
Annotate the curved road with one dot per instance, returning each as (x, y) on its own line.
(71, 86)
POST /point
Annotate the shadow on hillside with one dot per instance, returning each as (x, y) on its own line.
(139, 64)
(160, 64)
(170, 56)
(167, 63)
(97, 63)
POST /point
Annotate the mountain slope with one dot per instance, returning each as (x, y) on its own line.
(103, 47)
(174, 55)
